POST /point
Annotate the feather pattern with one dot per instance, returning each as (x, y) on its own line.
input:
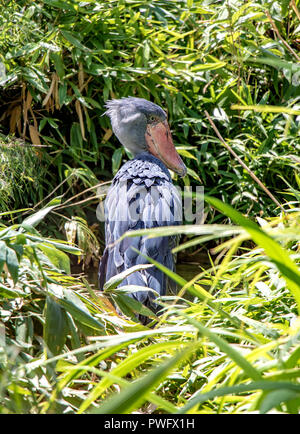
(142, 195)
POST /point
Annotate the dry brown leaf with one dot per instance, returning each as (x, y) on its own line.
(81, 76)
(34, 135)
(26, 106)
(84, 85)
(47, 97)
(50, 105)
(80, 117)
(107, 135)
(34, 118)
(15, 119)
(4, 115)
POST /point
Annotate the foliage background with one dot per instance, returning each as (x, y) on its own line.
(232, 347)
(63, 60)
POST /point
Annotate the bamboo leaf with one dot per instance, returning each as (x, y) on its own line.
(57, 257)
(72, 303)
(276, 397)
(223, 391)
(114, 281)
(37, 217)
(276, 253)
(116, 159)
(135, 394)
(266, 109)
(208, 66)
(73, 40)
(130, 306)
(128, 365)
(12, 263)
(55, 328)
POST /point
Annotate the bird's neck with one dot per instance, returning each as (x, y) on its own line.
(146, 156)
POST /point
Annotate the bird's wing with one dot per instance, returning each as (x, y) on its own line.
(141, 202)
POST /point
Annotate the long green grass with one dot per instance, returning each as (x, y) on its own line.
(231, 347)
(64, 59)
(228, 341)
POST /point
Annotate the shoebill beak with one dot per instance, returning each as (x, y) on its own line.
(160, 144)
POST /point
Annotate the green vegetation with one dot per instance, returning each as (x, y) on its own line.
(228, 342)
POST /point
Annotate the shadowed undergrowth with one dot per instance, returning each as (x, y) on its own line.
(228, 341)
(233, 346)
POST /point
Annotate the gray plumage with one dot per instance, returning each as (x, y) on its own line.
(142, 195)
(129, 117)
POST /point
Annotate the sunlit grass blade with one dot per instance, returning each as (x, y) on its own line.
(114, 281)
(276, 253)
(128, 365)
(223, 391)
(233, 354)
(37, 217)
(152, 397)
(112, 340)
(266, 109)
(213, 230)
(277, 397)
(104, 348)
(130, 306)
(135, 395)
(13, 211)
(195, 290)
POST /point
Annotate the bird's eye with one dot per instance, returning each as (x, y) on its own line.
(152, 118)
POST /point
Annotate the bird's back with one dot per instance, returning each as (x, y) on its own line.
(141, 196)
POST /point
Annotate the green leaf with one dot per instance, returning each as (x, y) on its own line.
(114, 281)
(133, 288)
(133, 396)
(6, 292)
(276, 62)
(37, 217)
(293, 358)
(24, 331)
(266, 109)
(276, 397)
(208, 66)
(59, 64)
(76, 136)
(127, 366)
(58, 258)
(59, 244)
(193, 174)
(72, 303)
(55, 327)
(74, 41)
(12, 263)
(220, 230)
(276, 253)
(130, 306)
(186, 153)
(116, 160)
